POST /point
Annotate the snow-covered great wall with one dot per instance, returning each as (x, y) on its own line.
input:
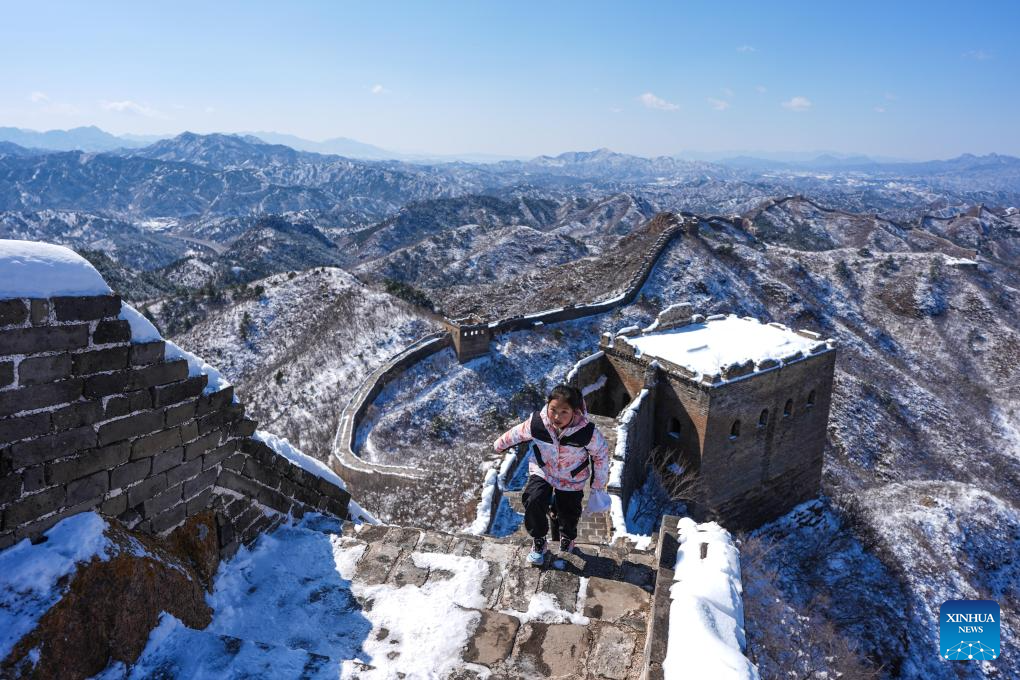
(97, 411)
(359, 471)
(147, 529)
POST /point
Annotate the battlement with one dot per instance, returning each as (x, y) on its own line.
(745, 404)
(98, 412)
(693, 358)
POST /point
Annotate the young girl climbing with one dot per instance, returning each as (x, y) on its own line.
(567, 450)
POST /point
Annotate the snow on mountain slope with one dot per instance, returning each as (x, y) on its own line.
(925, 389)
(124, 242)
(475, 254)
(878, 565)
(532, 288)
(298, 352)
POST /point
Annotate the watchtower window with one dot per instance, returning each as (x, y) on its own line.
(811, 399)
(674, 429)
(788, 409)
(763, 419)
(735, 430)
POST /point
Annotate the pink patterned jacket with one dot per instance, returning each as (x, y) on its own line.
(562, 459)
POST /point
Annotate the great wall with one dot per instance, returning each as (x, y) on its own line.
(90, 419)
(469, 340)
(97, 416)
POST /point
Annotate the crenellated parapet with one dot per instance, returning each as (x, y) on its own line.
(745, 407)
(98, 412)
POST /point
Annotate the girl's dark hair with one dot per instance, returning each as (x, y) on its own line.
(569, 394)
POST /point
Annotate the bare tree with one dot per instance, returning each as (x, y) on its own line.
(673, 485)
(678, 474)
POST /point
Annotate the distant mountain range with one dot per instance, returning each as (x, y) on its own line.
(88, 138)
(219, 175)
(337, 146)
(93, 139)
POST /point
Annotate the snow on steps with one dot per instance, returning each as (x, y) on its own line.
(374, 600)
(583, 617)
(316, 599)
(182, 652)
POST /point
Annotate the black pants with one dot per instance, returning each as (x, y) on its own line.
(536, 495)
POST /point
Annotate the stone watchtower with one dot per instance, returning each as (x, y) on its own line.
(470, 336)
(744, 404)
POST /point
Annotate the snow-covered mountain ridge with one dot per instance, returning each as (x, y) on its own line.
(916, 280)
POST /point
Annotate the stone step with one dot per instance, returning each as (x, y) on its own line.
(590, 528)
(585, 619)
(619, 560)
(609, 585)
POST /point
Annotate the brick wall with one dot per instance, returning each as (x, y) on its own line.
(91, 420)
(767, 469)
(763, 470)
(640, 441)
(631, 375)
(470, 341)
(607, 400)
(681, 418)
(363, 474)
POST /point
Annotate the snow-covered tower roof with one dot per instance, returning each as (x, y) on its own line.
(719, 343)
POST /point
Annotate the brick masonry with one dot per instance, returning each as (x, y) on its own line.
(91, 421)
(755, 436)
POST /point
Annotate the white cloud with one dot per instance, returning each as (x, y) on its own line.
(879, 109)
(797, 104)
(760, 89)
(379, 89)
(210, 109)
(652, 102)
(47, 105)
(727, 92)
(128, 106)
(977, 55)
(615, 110)
(746, 48)
(889, 96)
(718, 104)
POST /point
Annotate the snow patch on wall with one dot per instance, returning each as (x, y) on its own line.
(142, 331)
(297, 457)
(706, 614)
(29, 269)
(587, 360)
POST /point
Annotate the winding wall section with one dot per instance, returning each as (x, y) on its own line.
(358, 471)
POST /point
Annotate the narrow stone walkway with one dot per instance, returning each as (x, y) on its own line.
(593, 529)
(601, 599)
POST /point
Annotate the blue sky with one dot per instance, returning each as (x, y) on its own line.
(911, 80)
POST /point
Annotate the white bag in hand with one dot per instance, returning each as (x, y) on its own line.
(598, 501)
